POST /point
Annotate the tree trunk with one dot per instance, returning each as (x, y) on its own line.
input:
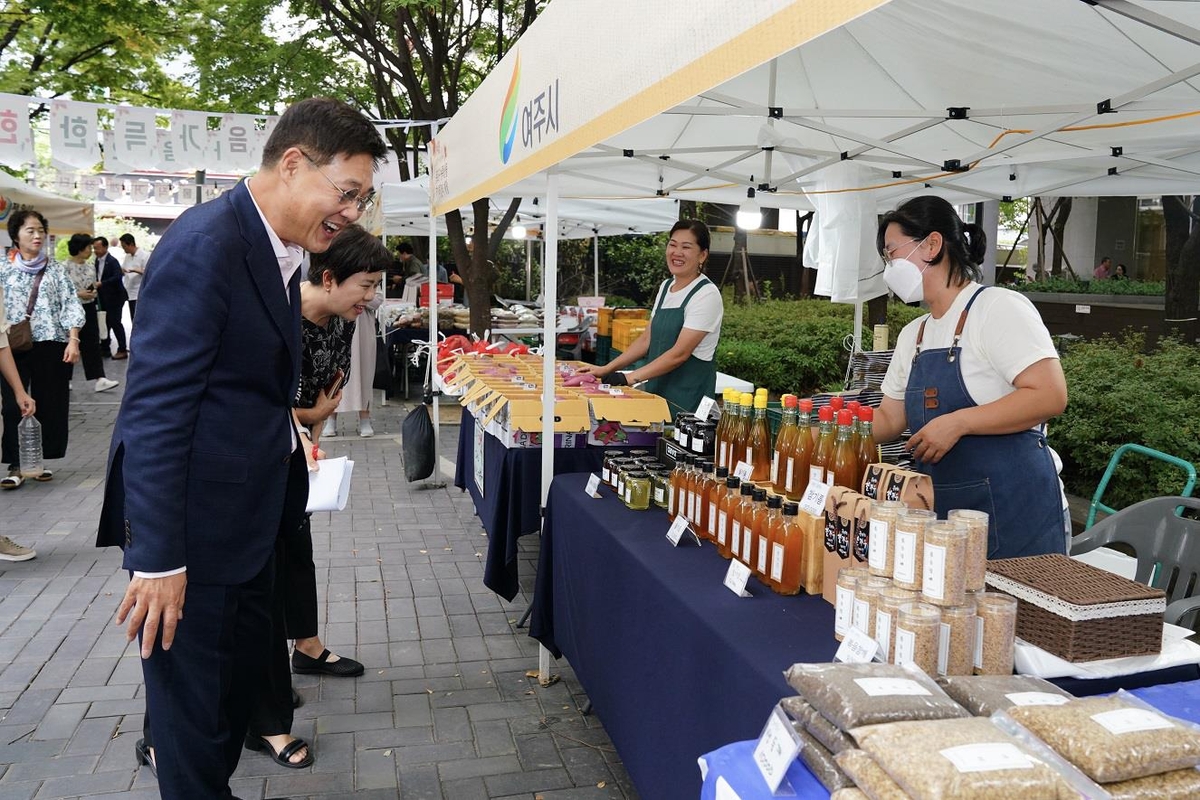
(1062, 210)
(1182, 301)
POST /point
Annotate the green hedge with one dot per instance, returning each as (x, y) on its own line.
(1119, 394)
(793, 345)
(1067, 285)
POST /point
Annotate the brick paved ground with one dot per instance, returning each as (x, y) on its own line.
(445, 709)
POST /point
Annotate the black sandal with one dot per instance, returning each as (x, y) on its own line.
(144, 756)
(281, 758)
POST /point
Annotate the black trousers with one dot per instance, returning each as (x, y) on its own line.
(89, 343)
(298, 575)
(46, 378)
(132, 309)
(114, 328)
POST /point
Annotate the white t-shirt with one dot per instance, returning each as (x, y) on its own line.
(703, 313)
(1003, 336)
(133, 280)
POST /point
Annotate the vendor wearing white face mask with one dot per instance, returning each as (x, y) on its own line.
(976, 379)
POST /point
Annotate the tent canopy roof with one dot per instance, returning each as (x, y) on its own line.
(65, 216)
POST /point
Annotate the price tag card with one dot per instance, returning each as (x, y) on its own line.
(593, 485)
(814, 498)
(743, 471)
(529, 387)
(680, 532)
(516, 379)
(706, 407)
(856, 648)
(615, 392)
(604, 386)
(736, 577)
(778, 745)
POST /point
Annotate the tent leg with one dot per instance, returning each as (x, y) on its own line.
(549, 340)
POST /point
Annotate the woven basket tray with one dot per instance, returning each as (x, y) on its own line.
(1079, 612)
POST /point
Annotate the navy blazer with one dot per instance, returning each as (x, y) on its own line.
(112, 287)
(198, 464)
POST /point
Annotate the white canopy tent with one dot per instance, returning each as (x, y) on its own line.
(963, 98)
(66, 216)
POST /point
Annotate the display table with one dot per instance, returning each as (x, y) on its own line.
(674, 663)
(507, 489)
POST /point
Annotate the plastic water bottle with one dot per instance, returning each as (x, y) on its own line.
(29, 444)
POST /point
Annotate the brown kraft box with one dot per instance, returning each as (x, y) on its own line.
(839, 534)
(875, 479)
(914, 489)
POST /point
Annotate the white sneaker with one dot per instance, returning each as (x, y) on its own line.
(364, 429)
(11, 551)
(330, 429)
(104, 384)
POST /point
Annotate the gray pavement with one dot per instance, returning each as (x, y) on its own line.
(445, 710)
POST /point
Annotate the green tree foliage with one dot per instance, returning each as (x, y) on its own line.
(1014, 214)
(633, 266)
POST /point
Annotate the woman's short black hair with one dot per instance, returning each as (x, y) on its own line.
(18, 219)
(354, 250)
(964, 244)
(698, 229)
(78, 243)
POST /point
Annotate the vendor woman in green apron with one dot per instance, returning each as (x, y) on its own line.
(680, 345)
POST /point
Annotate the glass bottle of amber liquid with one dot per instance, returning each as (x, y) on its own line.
(678, 482)
(728, 497)
(752, 527)
(740, 431)
(865, 451)
(765, 523)
(758, 446)
(712, 494)
(796, 467)
(688, 509)
(704, 482)
(854, 406)
(727, 413)
(844, 467)
(822, 459)
(740, 520)
(787, 550)
(785, 441)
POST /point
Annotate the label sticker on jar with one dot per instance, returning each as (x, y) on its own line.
(877, 552)
(905, 565)
(906, 642)
(1037, 699)
(888, 687)
(843, 610)
(1132, 720)
(862, 610)
(933, 577)
(987, 757)
(943, 647)
(978, 642)
(883, 632)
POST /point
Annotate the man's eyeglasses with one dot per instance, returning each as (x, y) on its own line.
(362, 201)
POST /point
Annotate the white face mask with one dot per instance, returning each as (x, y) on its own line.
(905, 278)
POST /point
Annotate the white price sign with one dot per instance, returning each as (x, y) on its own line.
(778, 745)
(743, 471)
(736, 577)
(705, 409)
(677, 530)
(814, 498)
(593, 485)
(856, 648)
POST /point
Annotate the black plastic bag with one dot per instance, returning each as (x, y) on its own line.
(416, 444)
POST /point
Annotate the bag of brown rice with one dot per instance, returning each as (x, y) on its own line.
(984, 695)
(821, 729)
(869, 776)
(852, 695)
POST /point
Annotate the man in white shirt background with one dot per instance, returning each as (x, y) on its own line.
(134, 268)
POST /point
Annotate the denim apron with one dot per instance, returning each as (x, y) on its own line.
(685, 386)
(1010, 476)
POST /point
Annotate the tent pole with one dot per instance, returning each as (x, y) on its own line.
(596, 265)
(528, 268)
(549, 340)
(858, 325)
(433, 332)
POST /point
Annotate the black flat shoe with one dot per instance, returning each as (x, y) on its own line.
(144, 757)
(282, 757)
(342, 668)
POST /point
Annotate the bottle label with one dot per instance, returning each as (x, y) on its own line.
(721, 528)
(816, 474)
(877, 548)
(764, 549)
(775, 467)
(723, 458)
(829, 477)
(712, 517)
(791, 469)
(659, 495)
(747, 546)
(749, 454)
(671, 501)
(777, 563)
(735, 538)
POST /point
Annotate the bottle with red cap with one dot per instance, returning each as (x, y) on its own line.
(844, 467)
(822, 458)
(854, 407)
(795, 466)
(837, 403)
(866, 451)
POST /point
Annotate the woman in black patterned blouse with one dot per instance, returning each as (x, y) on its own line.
(341, 282)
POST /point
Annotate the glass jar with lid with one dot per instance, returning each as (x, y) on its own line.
(637, 490)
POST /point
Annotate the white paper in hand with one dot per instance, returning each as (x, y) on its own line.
(329, 487)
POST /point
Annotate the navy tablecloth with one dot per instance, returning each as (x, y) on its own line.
(510, 504)
(674, 663)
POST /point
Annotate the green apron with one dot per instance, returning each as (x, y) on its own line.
(685, 386)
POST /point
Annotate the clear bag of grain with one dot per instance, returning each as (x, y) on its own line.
(917, 628)
(850, 695)
(977, 544)
(995, 633)
(964, 759)
(849, 793)
(1111, 739)
(944, 574)
(869, 776)
(887, 608)
(956, 639)
(821, 729)
(984, 695)
(1179, 784)
(882, 549)
(820, 762)
(909, 533)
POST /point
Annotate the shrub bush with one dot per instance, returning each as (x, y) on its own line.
(1119, 394)
(1067, 285)
(793, 345)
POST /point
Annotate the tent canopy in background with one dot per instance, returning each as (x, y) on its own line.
(65, 216)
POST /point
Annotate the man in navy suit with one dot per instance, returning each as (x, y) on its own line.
(112, 297)
(206, 465)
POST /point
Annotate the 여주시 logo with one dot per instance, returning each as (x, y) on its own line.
(508, 117)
